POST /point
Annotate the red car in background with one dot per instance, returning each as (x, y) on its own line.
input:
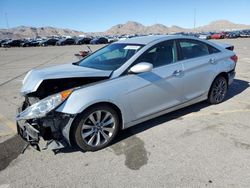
(218, 36)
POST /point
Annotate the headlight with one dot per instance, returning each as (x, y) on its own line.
(41, 108)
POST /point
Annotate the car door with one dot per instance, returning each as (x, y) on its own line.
(199, 61)
(159, 89)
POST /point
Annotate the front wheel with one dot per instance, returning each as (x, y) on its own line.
(218, 90)
(95, 128)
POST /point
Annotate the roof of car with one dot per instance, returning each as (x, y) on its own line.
(147, 39)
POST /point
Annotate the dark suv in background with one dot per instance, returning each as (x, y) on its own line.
(49, 42)
(83, 40)
(101, 40)
(12, 43)
(65, 41)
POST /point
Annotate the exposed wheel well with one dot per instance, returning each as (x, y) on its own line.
(96, 104)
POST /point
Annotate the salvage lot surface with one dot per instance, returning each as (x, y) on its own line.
(197, 146)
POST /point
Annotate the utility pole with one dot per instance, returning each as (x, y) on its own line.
(7, 21)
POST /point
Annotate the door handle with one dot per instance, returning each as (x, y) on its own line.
(212, 61)
(178, 73)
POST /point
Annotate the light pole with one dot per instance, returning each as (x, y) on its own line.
(194, 18)
(6, 19)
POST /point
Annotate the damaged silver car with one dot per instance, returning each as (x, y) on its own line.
(86, 103)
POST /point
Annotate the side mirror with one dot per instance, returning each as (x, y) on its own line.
(141, 67)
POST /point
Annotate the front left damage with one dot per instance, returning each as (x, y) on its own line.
(53, 127)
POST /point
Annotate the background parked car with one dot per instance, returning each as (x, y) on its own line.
(12, 43)
(65, 41)
(48, 42)
(205, 36)
(218, 36)
(231, 35)
(3, 41)
(83, 40)
(244, 33)
(27, 43)
(112, 39)
(101, 40)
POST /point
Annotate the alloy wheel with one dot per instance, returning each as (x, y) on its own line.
(219, 90)
(98, 128)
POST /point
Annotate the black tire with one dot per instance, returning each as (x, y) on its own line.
(77, 131)
(218, 90)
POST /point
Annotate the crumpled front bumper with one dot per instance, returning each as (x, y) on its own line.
(28, 133)
(54, 129)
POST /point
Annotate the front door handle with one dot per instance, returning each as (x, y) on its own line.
(178, 73)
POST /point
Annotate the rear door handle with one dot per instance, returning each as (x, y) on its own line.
(212, 61)
(178, 73)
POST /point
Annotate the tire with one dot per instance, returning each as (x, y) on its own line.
(89, 134)
(218, 90)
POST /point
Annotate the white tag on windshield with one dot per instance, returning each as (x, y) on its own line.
(130, 47)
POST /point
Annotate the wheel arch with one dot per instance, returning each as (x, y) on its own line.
(112, 105)
(223, 74)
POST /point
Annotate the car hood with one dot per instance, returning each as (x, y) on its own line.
(35, 77)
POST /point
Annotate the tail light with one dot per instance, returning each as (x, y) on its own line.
(234, 58)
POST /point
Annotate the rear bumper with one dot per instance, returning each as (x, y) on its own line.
(231, 76)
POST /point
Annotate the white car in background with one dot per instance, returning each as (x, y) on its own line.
(205, 36)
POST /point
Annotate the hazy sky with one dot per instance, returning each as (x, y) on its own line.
(99, 15)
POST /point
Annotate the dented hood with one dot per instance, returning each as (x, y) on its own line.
(35, 77)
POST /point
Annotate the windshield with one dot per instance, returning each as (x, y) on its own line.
(110, 57)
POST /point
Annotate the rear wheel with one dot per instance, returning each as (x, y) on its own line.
(218, 90)
(96, 128)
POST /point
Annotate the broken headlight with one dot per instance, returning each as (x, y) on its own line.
(44, 106)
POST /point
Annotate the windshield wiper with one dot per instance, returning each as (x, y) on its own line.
(76, 63)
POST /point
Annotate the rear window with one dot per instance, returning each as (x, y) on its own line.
(213, 50)
(192, 49)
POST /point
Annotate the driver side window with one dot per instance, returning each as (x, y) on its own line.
(161, 54)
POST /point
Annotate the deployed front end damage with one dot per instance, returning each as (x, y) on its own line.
(50, 128)
(41, 120)
(45, 90)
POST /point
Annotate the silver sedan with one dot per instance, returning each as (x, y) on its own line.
(86, 103)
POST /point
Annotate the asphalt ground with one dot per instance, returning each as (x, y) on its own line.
(198, 146)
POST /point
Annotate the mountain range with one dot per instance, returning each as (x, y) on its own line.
(33, 32)
(128, 28)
